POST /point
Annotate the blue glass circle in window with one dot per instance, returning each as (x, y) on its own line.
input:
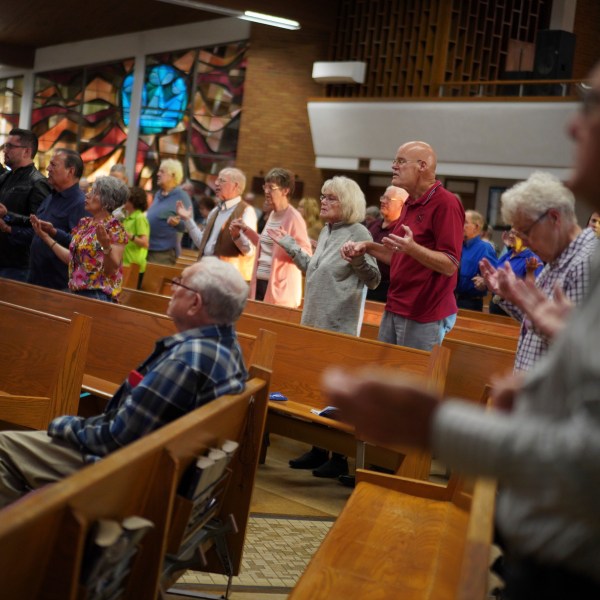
(164, 99)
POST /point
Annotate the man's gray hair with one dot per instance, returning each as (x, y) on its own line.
(224, 291)
(536, 195)
(118, 168)
(236, 175)
(111, 191)
(350, 196)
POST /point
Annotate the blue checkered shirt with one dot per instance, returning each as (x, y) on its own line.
(571, 270)
(184, 372)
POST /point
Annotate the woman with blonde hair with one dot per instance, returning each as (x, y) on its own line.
(162, 214)
(335, 289)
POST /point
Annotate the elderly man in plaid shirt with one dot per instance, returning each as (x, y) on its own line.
(196, 365)
(542, 212)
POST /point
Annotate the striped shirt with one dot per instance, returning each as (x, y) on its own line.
(571, 271)
(185, 371)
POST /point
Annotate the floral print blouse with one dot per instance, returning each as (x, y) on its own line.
(87, 259)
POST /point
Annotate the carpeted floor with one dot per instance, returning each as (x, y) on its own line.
(277, 551)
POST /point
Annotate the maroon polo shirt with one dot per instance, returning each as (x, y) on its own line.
(436, 219)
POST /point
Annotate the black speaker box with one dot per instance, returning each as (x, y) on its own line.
(554, 51)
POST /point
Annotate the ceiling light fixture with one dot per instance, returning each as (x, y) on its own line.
(247, 15)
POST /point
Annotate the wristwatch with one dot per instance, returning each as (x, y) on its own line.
(107, 250)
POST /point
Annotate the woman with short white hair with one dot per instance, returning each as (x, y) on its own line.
(335, 289)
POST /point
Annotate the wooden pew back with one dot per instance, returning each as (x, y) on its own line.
(121, 337)
(140, 479)
(157, 277)
(43, 359)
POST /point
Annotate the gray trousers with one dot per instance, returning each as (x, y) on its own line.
(32, 459)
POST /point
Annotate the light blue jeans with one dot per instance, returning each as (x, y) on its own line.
(398, 330)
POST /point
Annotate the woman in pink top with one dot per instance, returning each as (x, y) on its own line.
(276, 279)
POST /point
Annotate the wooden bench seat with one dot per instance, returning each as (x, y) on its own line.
(405, 539)
(42, 536)
(43, 358)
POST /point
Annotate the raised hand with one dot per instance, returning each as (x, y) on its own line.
(102, 236)
(39, 228)
(399, 244)
(185, 213)
(489, 274)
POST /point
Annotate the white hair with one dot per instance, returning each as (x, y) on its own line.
(535, 196)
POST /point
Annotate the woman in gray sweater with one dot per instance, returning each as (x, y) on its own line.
(335, 289)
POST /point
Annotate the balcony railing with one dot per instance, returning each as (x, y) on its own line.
(536, 88)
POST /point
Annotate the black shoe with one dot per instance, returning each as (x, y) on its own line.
(312, 459)
(333, 468)
(347, 480)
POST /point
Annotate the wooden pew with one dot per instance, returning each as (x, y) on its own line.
(43, 358)
(131, 275)
(405, 539)
(302, 354)
(121, 337)
(157, 277)
(42, 536)
(475, 355)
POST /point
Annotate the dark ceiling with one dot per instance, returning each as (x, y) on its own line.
(29, 24)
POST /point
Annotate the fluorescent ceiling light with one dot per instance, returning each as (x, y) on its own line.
(247, 15)
(256, 17)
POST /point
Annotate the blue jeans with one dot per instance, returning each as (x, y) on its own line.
(94, 294)
(401, 331)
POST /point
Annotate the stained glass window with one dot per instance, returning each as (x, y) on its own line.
(80, 109)
(191, 107)
(205, 138)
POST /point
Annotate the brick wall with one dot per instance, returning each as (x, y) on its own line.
(587, 37)
(274, 129)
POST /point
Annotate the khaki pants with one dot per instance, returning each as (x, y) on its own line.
(32, 459)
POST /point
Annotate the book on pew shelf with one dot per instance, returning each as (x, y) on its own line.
(221, 459)
(197, 478)
(230, 447)
(328, 411)
(111, 546)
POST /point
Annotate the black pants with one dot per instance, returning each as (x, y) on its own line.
(261, 289)
(528, 580)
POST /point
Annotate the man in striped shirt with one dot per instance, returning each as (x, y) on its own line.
(196, 365)
(542, 212)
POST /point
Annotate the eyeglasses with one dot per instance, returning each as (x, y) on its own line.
(328, 199)
(400, 162)
(270, 188)
(387, 199)
(525, 232)
(177, 281)
(9, 146)
(222, 181)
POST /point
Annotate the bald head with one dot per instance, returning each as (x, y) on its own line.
(422, 152)
(414, 168)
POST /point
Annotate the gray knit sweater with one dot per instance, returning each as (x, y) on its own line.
(334, 288)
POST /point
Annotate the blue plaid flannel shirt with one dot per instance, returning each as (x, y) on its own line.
(185, 371)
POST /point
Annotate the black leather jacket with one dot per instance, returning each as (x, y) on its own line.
(22, 192)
